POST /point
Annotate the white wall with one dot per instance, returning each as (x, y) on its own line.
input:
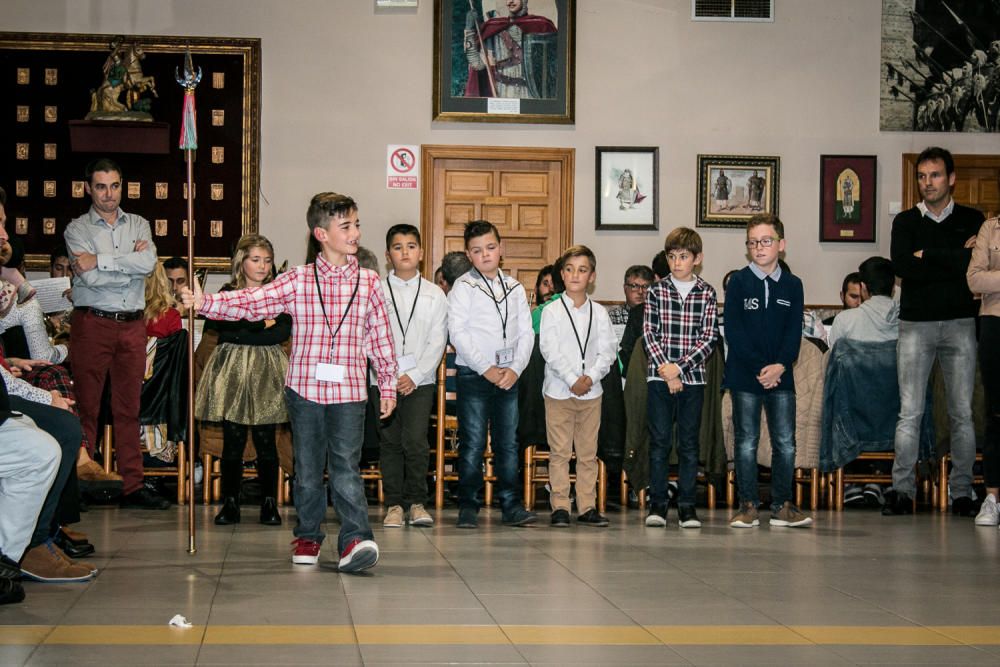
(341, 80)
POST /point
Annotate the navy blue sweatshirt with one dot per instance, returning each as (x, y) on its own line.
(761, 332)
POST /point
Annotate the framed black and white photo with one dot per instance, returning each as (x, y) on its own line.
(627, 188)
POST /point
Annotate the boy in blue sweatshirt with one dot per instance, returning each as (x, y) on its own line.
(763, 315)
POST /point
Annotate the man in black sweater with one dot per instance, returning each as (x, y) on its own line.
(931, 248)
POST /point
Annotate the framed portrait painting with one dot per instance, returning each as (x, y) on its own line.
(627, 188)
(504, 61)
(847, 198)
(734, 188)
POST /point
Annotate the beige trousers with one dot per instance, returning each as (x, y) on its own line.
(572, 423)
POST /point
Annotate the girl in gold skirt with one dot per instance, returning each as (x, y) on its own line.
(243, 386)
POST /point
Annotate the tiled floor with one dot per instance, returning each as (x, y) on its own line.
(856, 588)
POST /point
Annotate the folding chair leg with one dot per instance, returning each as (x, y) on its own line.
(730, 488)
(814, 489)
(182, 473)
(602, 486)
(710, 492)
(529, 484)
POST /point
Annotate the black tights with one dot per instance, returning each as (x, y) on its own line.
(234, 439)
(989, 367)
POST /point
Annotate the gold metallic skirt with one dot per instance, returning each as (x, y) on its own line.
(244, 384)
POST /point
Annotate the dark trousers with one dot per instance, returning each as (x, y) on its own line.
(663, 410)
(234, 440)
(989, 367)
(64, 426)
(404, 448)
(105, 349)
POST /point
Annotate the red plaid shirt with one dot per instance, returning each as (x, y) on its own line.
(681, 332)
(365, 333)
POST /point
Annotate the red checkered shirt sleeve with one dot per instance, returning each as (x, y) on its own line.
(379, 344)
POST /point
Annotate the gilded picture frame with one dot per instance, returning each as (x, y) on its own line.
(55, 74)
(532, 66)
(734, 188)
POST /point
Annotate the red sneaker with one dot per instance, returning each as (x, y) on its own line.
(306, 552)
(358, 555)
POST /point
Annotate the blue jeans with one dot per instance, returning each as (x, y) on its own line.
(480, 402)
(663, 409)
(780, 409)
(953, 342)
(328, 437)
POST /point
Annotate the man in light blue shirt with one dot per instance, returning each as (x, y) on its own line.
(112, 252)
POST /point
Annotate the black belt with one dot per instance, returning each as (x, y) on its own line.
(122, 316)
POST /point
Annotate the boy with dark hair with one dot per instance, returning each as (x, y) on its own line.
(490, 326)
(418, 314)
(572, 386)
(763, 312)
(877, 318)
(340, 322)
(679, 331)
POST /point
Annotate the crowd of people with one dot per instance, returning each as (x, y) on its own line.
(314, 346)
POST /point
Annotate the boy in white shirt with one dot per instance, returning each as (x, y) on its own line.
(579, 346)
(418, 315)
(490, 326)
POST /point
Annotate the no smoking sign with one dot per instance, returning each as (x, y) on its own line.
(402, 171)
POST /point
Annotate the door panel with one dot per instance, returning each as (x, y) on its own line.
(525, 192)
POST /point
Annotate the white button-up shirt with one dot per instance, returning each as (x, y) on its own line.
(475, 322)
(561, 347)
(426, 332)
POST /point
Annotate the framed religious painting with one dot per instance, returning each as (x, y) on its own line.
(627, 188)
(504, 61)
(71, 98)
(847, 185)
(734, 188)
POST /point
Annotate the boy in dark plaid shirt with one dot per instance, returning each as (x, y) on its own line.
(679, 330)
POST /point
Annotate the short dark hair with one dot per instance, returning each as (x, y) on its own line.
(937, 153)
(853, 277)
(3, 197)
(660, 265)
(102, 164)
(767, 219)
(454, 265)
(326, 205)
(726, 278)
(878, 276)
(578, 251)
(404, 229)
(683, 238)
(477, 228)
(175, 263)
(57, 252)
(640, 271)
(547, 270)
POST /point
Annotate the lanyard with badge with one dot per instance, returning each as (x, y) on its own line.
(333, 372)
(505, 355)
(576, 334)
(405, 361)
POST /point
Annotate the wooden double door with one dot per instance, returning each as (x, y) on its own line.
(526, 192)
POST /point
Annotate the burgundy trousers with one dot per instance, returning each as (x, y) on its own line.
(102, 349)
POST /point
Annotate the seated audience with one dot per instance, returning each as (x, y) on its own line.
(638, 278)
(632, 332)
(850, 294)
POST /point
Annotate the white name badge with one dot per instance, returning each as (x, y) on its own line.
(406, 362)
(505, 357)
(330, 373)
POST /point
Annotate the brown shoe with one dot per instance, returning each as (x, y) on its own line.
(46, 563)
(92, 472)
(72, 561)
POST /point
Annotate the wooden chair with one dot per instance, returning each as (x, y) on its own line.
(710, 494)
(939, 497)
(445, 450)
(177, 471)
(536, 464)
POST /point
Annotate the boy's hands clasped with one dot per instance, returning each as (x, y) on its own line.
(504, 378)
(770, 376)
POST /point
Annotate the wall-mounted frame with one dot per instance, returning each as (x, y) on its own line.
(626, 185)
(847, 198)
(532, 79)
(734, 188)
(46, 81)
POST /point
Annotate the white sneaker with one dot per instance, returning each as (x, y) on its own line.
(419, 516)
(989, 513)
(393, 517)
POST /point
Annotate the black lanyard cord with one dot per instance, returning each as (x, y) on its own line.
(409, 320)
(576, 334)
(333, 333)
(505, 316)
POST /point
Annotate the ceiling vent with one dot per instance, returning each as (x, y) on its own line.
(733, 10)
